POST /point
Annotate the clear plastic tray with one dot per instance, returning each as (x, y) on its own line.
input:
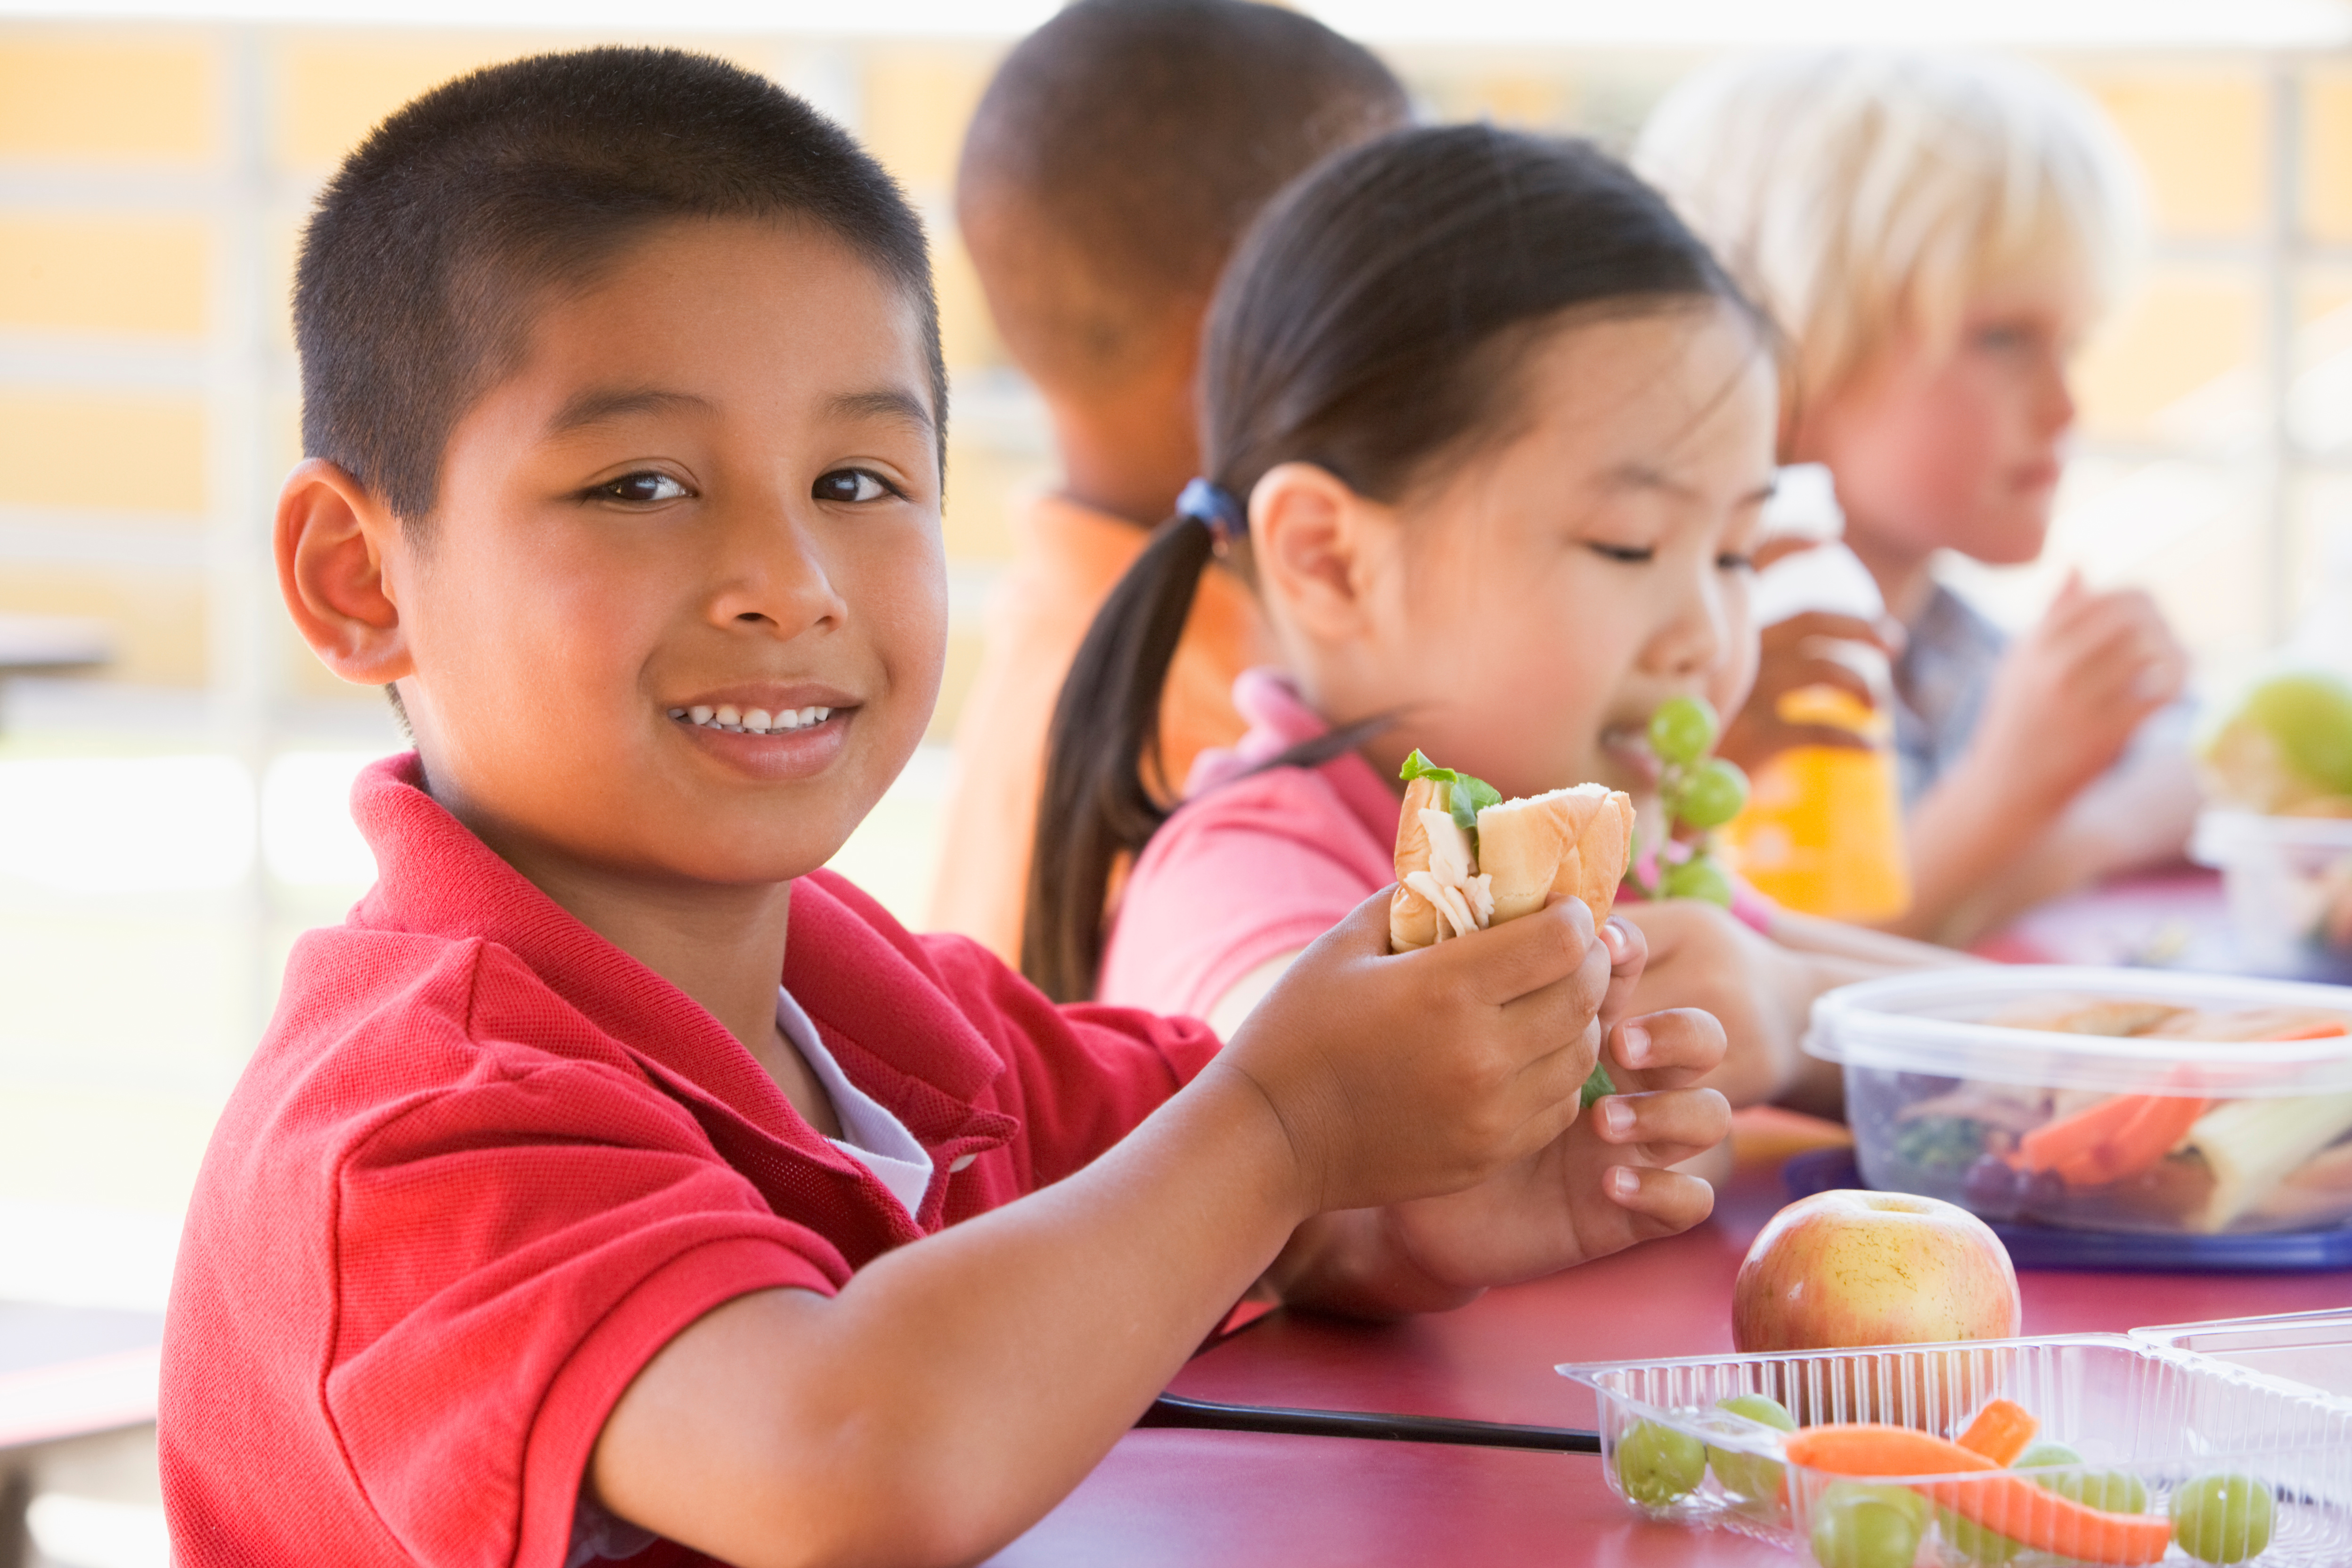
(2162, 1415)
(2288, 880)
(2309, 1351)
(1945, 1102)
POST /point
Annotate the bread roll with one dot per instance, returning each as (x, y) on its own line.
(1572, 840)
(1412, 920)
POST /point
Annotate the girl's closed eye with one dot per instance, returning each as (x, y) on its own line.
(853, 485)
(1629, 554)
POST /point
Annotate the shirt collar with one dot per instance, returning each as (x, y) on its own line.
(892, 1027)
(1279, 718)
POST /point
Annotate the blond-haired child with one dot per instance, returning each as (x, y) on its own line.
(1936, 234)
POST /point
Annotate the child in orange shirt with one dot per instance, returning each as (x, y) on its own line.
(1109, 172)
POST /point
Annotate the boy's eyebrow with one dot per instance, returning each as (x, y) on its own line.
(598, 405)
(888, 403)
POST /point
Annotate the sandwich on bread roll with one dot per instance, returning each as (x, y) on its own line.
(1466, 858)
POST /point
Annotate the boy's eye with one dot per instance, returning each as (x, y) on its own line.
(851, 485)
(1731, 561)
(640, 488)
(1631, 554)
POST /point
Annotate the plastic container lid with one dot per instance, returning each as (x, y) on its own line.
(2223, 835)
(1930, 1022)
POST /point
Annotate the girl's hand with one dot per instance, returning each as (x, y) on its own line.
(1601, 1186)
(1792, 658)
(1598, 1188)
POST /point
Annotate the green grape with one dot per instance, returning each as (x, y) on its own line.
(1856, 1525)
(1755, 1479)
(1700, 876)
(2117, 1491)
(1714, 794)
(2045, 1453)
(1596, 1086)
(1684, 729)
(1656, 1464)
(1976, 1545)
(2223, 1518)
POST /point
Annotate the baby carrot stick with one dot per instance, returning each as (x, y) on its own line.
(2114, 1139)
(2000, 1431)
(2053, 1141)
(1997, 1498)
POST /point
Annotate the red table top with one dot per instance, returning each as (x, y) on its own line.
(1240, 1498)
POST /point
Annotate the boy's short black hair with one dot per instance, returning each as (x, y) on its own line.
(433, 245)
(1122, 148)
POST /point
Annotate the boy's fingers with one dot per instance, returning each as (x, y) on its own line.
(1521, 960)
(1666, 1198)
(1668, 1125)
(1671, 1049)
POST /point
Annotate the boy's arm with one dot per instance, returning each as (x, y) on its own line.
(957, 1388)
(2064, 703)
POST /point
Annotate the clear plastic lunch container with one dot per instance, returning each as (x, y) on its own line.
(2307, 1350)
(2288, 880)
(2035, 1125)
(2162, 1435)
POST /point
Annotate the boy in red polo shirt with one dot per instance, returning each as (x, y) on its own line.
(544, 1227)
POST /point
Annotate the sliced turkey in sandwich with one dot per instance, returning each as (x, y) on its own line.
(1466, 858)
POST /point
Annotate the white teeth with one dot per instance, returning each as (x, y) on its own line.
(752, 720)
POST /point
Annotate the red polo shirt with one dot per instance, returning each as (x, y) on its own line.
(484, 1164)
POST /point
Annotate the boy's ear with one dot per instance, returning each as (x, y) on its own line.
(1310, 541)
(332, 539)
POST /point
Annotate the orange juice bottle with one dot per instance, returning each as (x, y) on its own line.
(1822, 833)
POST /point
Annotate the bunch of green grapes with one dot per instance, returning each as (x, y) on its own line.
(1700, 794)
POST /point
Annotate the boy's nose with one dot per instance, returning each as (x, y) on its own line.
(771, 571)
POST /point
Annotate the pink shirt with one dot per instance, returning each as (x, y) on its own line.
(1259, 864)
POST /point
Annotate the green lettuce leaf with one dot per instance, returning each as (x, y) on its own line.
(1466, 797)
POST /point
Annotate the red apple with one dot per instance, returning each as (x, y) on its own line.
(1843, 1270)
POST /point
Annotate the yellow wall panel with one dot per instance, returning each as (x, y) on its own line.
(157, 617)
(2201, 141)
(135, 275)
(131, 453)
(2327, 155)
(81, 97)
(916, 105)
(2181, 331)
(967, 332)
(332, 91)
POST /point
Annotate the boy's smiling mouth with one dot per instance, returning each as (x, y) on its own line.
(751, 721)
(770, 732)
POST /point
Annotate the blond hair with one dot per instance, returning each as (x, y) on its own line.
(1859, 195)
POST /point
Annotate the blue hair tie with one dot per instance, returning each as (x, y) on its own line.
(1213, 504)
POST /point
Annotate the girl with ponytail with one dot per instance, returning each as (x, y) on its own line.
(1488, 432)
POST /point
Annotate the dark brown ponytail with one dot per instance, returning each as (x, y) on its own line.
(1375, 321)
